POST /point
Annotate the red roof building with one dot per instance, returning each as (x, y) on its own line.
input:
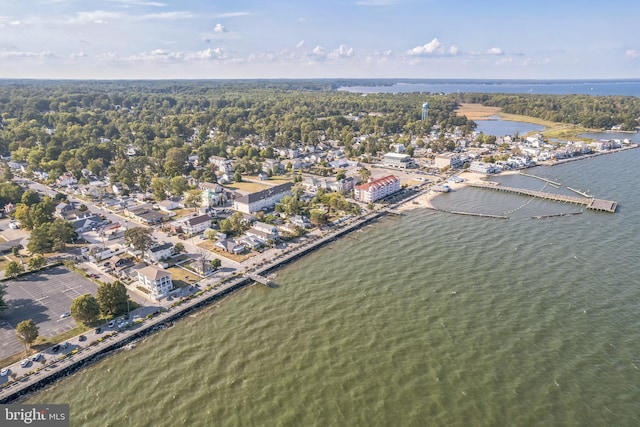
(376, 189)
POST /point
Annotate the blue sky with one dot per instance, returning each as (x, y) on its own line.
(132, 39)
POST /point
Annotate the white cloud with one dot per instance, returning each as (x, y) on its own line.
(300, 44)
(495, 51)
(219, 28)
(169, 16)
(318, 50)
(632, 54)
(165, 56)
(78, 55)
(433, 48)
(341, 52)
(453, 50)
(95, 17)
(231, 14)
(14, 23)
(16, 54)
(139, 3)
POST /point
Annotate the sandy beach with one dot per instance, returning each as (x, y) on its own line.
(424, 200)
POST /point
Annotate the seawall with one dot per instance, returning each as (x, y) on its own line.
(21, 387)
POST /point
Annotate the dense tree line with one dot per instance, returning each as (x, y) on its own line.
(599, 112)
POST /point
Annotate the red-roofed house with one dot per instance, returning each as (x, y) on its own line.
(376, 189)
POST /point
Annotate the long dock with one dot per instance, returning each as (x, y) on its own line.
(557, 184)
(589, 203)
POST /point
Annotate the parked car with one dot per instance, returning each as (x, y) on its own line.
(82, 338)
(25, 363)
(65, 315)
(64, 345)
(98, 330)
(55, 348)
(5, 372)
(111, 324)
(36, 357)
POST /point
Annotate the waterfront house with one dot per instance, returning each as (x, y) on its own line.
(156, 280)
(229, 246)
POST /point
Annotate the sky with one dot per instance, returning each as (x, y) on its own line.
(224, 39)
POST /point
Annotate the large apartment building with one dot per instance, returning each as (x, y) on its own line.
(376, 189)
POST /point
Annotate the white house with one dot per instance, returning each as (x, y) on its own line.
(156, 280)
(196, 224)
(160, 252)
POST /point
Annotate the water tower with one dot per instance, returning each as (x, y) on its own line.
(425, 110)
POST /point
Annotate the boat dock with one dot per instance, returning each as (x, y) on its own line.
(589, 203)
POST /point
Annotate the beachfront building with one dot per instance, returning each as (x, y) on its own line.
(156, 280)
(398, 160)
(254, 202)
(447, 160)
(376, 189)
(485, 168)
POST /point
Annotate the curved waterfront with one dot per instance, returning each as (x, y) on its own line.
(425, 319)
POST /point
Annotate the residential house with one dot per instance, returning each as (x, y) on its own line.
(197, 224)
(268, 230)
(254, 202)
(222, 164)
(169, 205)
(66, 179)
(156, 280)
(230, 246)
(160, 252)
(376, 189)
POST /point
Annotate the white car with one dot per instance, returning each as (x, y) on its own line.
(25, 363)
(4, 372)
(65, 315)
(36, 357)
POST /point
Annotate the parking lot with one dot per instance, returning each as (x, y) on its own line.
(43, 297)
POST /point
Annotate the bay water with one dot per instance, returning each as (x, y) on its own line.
(423, 319)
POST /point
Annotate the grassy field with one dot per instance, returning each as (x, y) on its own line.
(182, 278)
(562, 131)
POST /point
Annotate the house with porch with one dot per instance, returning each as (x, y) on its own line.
(156, 280)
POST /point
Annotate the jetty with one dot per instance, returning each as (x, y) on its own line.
(589, 203)
(553, 183)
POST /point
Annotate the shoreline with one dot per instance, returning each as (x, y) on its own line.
(425, 200)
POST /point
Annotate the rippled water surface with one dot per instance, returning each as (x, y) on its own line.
(425, 319)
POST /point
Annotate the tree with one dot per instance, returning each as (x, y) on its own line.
(13, 269)
(27, 331)
(3, 303)
(30, 198)
(193, 199)
(216, 263)
(85, 309)
(179, 247)
(112, 298)
(178, 185)
(318, 217)
(139, 238)
(39, 242)
(364, 173)
(36, 262)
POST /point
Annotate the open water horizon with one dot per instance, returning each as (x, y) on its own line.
(425, 319)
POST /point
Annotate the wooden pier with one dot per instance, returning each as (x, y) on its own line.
(589, 203)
